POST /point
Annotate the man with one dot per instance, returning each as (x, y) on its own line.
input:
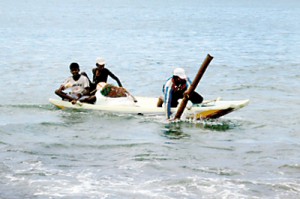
(80, 87)
(100, 74)
(175, 88)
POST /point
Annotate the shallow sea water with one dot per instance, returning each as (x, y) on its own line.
(50, 153)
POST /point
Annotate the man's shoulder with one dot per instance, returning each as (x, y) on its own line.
(106, 70)
(168, 81)
(83, 77)
(189, 80)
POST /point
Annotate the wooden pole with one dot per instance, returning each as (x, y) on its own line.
(193, 86)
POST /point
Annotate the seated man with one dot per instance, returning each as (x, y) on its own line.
(100, 74)
(80, 87)
(175, 88)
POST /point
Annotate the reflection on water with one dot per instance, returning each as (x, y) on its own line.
(173, 130)
(73, 116)
(215, 124)
(176, 130)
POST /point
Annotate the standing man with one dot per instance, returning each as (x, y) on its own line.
(175, 88)
(80, 87)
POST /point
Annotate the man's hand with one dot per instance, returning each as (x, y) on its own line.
(186, 95)
(79, 95)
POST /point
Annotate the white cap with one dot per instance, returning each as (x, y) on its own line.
(180, 73)
(100, 61)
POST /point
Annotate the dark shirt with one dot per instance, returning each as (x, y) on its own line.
(103, 76)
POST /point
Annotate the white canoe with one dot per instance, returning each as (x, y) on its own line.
(147, 106)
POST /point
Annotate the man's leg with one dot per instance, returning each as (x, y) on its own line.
(88, 99)
(196, 98)
(63, 95)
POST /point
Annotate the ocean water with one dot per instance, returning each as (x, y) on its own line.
(50, 153)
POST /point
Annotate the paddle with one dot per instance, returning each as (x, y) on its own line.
(193, 86)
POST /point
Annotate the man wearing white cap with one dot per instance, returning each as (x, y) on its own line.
(174, 89)
(100, 74)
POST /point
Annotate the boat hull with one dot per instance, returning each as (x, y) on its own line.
(147, 106)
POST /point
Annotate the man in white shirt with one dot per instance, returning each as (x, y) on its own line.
(80, 87)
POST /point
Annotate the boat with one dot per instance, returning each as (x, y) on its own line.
(210, 109)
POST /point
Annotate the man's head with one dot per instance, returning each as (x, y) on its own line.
(74, 68)
(100, 62)
(179, 72)
(179, 76)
